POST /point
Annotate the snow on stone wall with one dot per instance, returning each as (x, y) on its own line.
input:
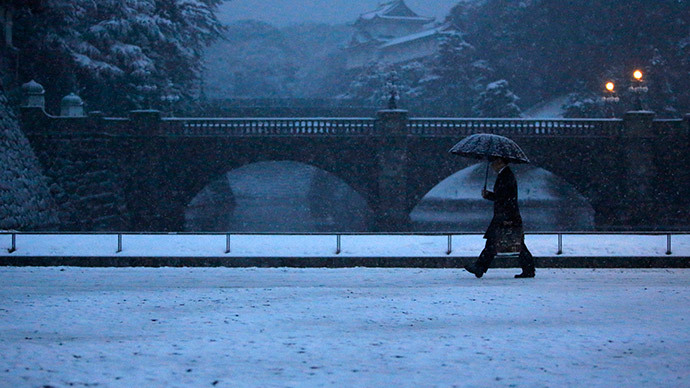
(25, 201)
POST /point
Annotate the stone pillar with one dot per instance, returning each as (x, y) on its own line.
(145, 122)
(32, 114)
(638, 194)
(144, 197)
(391, 207)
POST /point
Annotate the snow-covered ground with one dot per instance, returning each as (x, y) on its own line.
(588, 245)
(358, 327)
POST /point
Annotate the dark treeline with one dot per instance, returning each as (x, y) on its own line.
(547, 48)
(510, 55)
(117, 55)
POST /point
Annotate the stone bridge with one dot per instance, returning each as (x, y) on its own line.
(140, 173)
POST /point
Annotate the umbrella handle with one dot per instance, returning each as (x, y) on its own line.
(486, 175)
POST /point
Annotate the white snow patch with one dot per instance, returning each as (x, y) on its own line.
(359, 327)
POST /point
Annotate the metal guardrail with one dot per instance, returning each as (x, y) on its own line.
(338, 236)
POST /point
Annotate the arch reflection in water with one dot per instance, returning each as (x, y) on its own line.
(547, 202)
(282, 196)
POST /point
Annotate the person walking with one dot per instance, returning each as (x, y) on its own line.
(505, 232)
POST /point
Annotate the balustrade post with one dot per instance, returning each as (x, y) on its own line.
(392, 202)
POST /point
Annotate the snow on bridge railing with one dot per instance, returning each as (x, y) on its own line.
(268, 126)
(425, 127)
(516, 127)
(666, 127)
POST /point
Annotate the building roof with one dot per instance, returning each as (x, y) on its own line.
(362, 37)
(396, 10)
(444, 28)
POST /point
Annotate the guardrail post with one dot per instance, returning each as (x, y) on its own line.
(227, 243)
(14, 243)
(450, 244)
(560, 244)
(119, 243)
(668, 243)
(337, 242)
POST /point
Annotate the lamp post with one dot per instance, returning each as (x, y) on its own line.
(610, 97)
(638, 88)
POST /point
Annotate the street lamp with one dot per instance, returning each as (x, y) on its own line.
(637, 74)
(610, 86)
(638, 88)
(611, 97)
(170, 99)
(393, 95)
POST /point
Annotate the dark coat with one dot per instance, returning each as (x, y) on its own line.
(506, 225)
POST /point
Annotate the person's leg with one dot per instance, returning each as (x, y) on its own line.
(482, 264)
(486, 257)
(526, 263)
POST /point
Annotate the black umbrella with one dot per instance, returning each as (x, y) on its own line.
(486, 145)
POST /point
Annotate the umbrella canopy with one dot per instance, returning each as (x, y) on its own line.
(486, 145)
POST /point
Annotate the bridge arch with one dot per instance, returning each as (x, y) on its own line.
(547, 202)
(283, 196)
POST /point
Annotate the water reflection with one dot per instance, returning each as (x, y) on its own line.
(546, 202)
(280, 196)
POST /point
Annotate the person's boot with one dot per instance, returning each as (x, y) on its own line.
(472, 268)
(525, 274)
(526, 263)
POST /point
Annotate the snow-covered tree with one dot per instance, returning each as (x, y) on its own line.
(373, 84)
(584, 106)
(117, 53)
(457, 75)
(497, 100)
(549, 48)
(368, 85)
(25, 202)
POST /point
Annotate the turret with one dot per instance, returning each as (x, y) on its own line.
(72, 106)
(33, 95)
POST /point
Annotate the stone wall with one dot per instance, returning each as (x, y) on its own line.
(85, 181)
(25, 201)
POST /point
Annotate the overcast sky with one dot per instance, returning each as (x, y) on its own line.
(284, 12)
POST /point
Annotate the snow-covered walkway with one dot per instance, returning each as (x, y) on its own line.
(357, 327)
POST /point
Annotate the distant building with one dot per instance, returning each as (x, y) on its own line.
(391, 34)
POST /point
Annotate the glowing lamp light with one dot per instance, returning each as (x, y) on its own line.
(610, 86)
(637, 74)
